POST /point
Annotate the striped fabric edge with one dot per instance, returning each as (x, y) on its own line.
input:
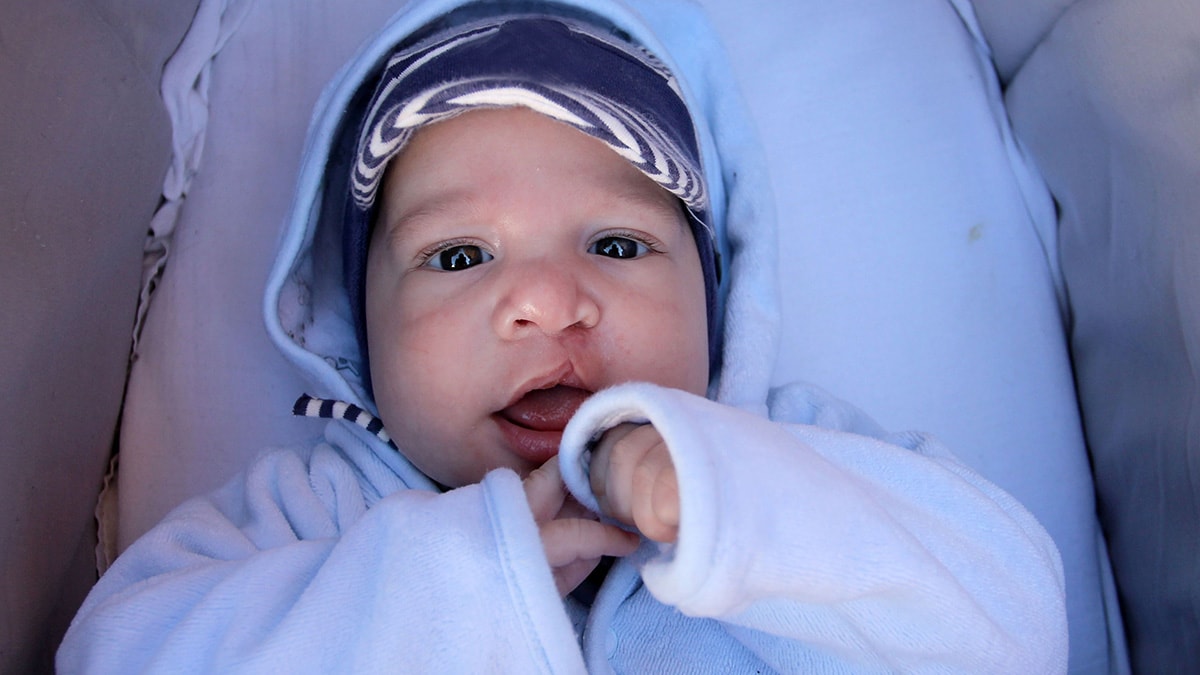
(310, 406)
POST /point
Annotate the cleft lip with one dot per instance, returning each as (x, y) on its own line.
(563, 375)
(547, 402)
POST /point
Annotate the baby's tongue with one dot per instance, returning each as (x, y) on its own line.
(546, 409)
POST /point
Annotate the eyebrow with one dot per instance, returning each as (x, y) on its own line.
(408, 223)
(667, 208)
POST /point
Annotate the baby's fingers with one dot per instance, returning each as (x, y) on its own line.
(614, 461)
(634, 480)
(568, 577)
(568, 540)
(545, 491)
(575, 545)
(656, 497)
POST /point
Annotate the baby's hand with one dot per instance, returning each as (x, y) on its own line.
(634, 480)
(573, 538)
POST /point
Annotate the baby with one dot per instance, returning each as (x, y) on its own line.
(516, 267)
(504, 286)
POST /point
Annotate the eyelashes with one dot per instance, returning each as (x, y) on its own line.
(454, 255)
(458, 255)
(622, 248)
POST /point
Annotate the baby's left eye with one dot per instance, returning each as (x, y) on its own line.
(619, 247)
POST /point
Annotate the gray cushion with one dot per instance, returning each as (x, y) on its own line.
(1109, 105)
(85, 142)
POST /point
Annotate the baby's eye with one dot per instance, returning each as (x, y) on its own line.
(619, 247)
(458, 258)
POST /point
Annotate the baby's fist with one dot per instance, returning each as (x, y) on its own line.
(634, 480)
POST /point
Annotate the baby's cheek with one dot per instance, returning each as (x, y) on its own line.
(663, 344)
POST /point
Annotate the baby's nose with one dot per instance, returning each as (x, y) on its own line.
(546, 298)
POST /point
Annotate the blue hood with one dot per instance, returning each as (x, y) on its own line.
(307, 309)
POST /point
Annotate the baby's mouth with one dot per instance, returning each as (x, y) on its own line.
(546, 409)
(533, 421)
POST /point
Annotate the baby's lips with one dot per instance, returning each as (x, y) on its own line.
(546, 409)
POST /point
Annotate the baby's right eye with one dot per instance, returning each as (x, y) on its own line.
(458, 257)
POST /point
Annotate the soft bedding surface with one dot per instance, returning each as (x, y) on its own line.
(83, 143)
(918, 245)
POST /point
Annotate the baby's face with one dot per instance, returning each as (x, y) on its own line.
(517, 266)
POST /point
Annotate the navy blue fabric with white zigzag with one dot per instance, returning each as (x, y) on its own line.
(617, 93)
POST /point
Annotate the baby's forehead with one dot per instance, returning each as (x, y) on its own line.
(455, 168)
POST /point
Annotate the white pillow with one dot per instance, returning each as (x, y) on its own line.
(915, 248)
